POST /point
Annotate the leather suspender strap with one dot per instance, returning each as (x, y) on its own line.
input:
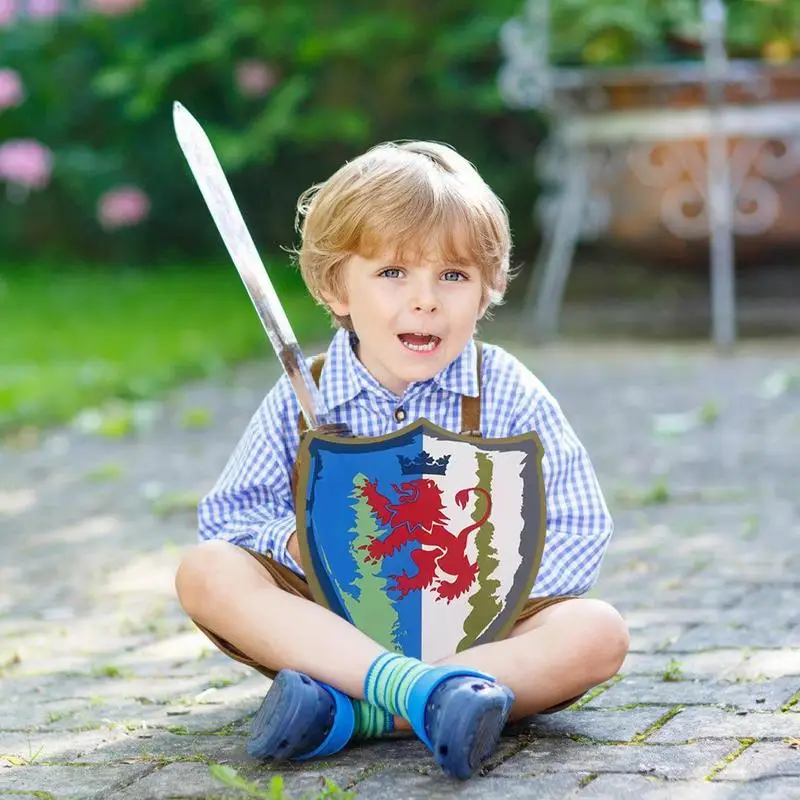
(316, 370)
(471, 406)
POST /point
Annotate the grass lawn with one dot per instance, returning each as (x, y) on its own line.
(75, 338)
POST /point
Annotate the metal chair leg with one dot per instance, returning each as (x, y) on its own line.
(723, 281)
(553, 265)
(720, 197)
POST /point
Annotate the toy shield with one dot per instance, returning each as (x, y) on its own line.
(427, 541)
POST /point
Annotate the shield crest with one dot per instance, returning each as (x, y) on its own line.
(427, 541)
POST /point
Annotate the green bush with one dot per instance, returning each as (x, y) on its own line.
(335, 79)
(614, 32)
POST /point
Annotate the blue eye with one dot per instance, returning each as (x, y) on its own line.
(394, 270)
(459, 276)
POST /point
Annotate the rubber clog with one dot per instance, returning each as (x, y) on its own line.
(300, 718)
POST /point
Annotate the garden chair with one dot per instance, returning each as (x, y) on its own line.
(581, 123)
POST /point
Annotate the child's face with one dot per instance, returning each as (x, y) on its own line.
(411, 320)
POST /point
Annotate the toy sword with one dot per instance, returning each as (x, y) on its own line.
(225, 212)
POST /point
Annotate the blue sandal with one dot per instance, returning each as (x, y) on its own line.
(301, 718)
(459, 714)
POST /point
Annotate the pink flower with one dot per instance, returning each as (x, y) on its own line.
(11, 91)
(44, 9)
(26, 162)
(255, 78)
(113, 8)
(8, 12)
(123, 207)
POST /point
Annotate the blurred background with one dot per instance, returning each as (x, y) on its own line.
(113, 280)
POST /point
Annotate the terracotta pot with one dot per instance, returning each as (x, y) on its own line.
(656, 188)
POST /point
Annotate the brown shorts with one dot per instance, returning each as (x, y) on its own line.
(291, 582)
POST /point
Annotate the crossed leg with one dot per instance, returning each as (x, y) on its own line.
(547, 659)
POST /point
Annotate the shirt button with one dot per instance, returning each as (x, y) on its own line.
(269, 554)
(400, 414)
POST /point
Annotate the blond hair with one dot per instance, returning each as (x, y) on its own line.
(410, 199)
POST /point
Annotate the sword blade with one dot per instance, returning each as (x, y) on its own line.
(216, 191)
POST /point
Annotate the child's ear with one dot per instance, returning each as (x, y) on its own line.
(339, 306)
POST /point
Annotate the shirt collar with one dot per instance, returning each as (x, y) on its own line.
(339, 380)
(344, 376)
(461, 374)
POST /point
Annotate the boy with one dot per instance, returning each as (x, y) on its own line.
(407, 247)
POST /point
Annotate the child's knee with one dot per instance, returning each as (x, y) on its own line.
(610, 637)
(199, 570)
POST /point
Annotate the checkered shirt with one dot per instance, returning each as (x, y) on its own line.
(252, 505)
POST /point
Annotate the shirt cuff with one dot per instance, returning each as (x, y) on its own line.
(273, 542)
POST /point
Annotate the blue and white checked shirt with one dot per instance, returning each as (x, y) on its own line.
(252, 504)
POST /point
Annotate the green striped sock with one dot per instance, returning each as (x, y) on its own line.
(371, 721)
(389, 681)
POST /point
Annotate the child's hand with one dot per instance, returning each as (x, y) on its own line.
(293, 547)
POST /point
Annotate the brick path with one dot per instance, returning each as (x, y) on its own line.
(107, 692)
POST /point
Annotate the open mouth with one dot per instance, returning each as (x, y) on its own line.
(419, 342)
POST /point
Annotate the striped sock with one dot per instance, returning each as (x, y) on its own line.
(389, 681)
(371, 721)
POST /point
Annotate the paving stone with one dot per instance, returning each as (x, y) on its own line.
(406, 753)
(56, 649)
(250, 690)
(728, 634)
(667, 761)
(644, 618)
(656, 637)
(190, 717)
(713, 664)
(47, 715)
(75, 783)
(771, 664)
(177, 781)
(602, 726)
(634, 787)
(760, 695)
(152, 689)
(674, 594)
(215, 667)
(757, 569)
(767, 789)
(164, 746)
(194, 780)
(387, 783)
(699, 723)
(57, 747)
(779, 599)
(159, 657)
(762, 760)
(33, 688)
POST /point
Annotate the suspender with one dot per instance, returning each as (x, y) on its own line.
(316, 370)
(471, 406)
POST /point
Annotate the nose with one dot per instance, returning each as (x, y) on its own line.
(423, 293)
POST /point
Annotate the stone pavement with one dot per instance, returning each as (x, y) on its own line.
(106, 691)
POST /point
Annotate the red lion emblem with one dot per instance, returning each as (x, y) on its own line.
(418, 516)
